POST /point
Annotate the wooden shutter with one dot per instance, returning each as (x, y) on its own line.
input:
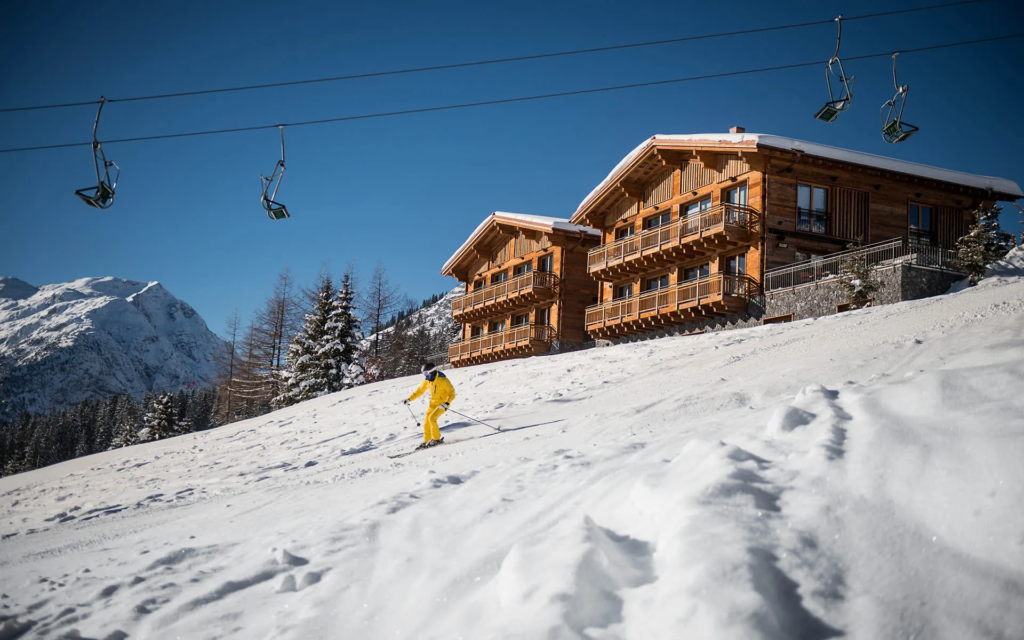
(849, 213)
(948, 226)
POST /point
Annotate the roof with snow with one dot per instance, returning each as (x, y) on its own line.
(520, 220)
(999, 186)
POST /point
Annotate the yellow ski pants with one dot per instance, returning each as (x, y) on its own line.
(430, 429)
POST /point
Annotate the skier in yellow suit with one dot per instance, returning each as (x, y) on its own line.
(441, 395)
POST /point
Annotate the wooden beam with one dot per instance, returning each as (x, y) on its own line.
(630, 189)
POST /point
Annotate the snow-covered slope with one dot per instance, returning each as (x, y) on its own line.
(94, 337)
(853, 476)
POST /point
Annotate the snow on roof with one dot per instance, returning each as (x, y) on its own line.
(999, 185)
(543, 223)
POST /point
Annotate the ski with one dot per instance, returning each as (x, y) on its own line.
(409, 453)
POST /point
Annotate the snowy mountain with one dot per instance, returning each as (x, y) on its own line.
(94, 337)
(854, 476)
(436, 318)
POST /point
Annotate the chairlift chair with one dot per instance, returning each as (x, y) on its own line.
(834, 106)
(102, 195)
(275, 210)
(894, 129)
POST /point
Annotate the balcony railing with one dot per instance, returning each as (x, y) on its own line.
(672, 298)
(714, 219)
(880, 254)
(502, 290)
(501, 340)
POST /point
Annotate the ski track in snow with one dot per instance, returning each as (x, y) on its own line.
(853, 476)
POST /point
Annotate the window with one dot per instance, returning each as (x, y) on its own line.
(655, 283)
(496, 327)
(623, 291)
(811, 208)
(522, 269)
(697, 207)
(501, 276)
(624, 232)
(542, 316)
(695, 273)
(479, 284)
(803, 256)
(521, 320)
(476, 331)
(920, 224)
(657, 221)
(737, 195)
(546, 264)
(736, 265)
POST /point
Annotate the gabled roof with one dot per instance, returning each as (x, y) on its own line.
(999, 186)
(521, 220)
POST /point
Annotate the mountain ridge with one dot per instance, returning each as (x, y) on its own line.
(95, 337)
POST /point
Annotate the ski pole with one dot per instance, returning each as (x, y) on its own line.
(474, 419)
(413, 415)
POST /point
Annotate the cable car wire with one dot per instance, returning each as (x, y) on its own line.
(466, 105)
(478, 63)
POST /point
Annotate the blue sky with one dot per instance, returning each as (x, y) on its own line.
(407, 190)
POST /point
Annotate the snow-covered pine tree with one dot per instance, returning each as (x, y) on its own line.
(856, 279)
(126, 426)
(304, 376)
(984, 243)
(161, 420)
(346, 338)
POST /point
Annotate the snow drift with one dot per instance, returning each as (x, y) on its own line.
(96, 337)
(854, 476)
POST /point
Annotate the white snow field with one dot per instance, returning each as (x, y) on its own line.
(855, 476)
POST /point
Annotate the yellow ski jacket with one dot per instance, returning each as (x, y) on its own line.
(441, 390)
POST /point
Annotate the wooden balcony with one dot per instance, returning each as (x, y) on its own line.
(720, 228)
(501, 298)
(718, 295)
(517, 342)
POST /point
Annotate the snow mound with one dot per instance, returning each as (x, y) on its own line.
(95, 337)
(853, 476)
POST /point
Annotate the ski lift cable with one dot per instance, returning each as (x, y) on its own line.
(478, 63)
(466, 105)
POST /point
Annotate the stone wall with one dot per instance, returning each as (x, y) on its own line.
(898, 283)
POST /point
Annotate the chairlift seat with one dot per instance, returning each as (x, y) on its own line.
(275, 210)
(830, 111)
(102, 196)
(898, 131)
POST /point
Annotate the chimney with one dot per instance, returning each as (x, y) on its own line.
(737, 130)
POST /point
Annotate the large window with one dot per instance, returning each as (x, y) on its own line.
(542, 316)
(521, 320)
(479, 284)
(546, 264)
(623, 291)
(624, 232)
(694, 208)
(476, 331)
(522, 269)
(737, 195)
(920, 224)
(496, 327)
(501, 276)
(811, 208)
(655, 283)
(736, 265)
(696, 273)
(657, 221)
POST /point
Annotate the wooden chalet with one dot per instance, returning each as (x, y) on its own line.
(527, 287)
(690, 223)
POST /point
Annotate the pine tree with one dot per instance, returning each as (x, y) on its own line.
(305, 376)
(346, 338)
(984, 243)
(856, 279)
(126, 425)
(161, 420)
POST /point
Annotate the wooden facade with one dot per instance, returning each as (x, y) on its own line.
(689, 225)
(527, 286)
